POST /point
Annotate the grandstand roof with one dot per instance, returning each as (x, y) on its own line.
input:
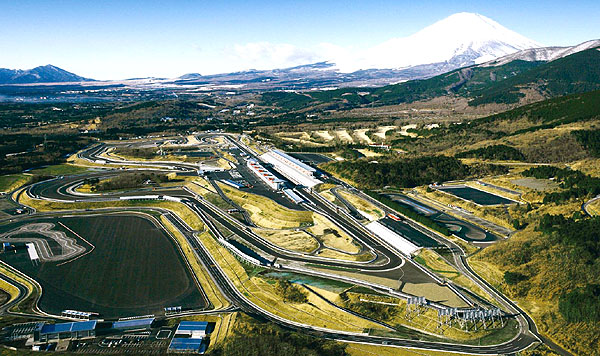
(294, 160)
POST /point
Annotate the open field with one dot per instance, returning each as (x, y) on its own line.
(11, 290)
(123, 275)
(179, 209)
(375, 350)
(266, 213)
(331, 235)
(294, 240)
(382, 131)
(363, 205)
(317, 136)
(61, 169)
(11, 182)
(362, 136)
(536, 184)
(329, 253)
(26, 304)
(438, 265)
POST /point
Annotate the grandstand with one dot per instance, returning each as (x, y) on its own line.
(233, 183)
(293, 196)
(293, 169)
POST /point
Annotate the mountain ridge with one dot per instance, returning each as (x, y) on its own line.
(41, 74)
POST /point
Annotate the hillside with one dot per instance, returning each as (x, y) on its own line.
(481, 84)
(549, 265)
(42, 74)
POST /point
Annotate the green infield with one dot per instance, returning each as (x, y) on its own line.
(133, 268)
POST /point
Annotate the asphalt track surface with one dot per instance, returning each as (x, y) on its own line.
(57, 189)
(466, 230)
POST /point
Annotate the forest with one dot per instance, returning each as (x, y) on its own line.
(409, 172)
(127, 181)
(19, 152)
(577, 185)
(494, 152)
(254, 338)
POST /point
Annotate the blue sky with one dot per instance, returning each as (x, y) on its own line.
(123, 39)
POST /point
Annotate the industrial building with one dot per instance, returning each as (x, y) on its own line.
(392, 238)
(65, 331)
(233, 183)
(293, 196)
(293, 162)
(190, 337)
(133, 324)
(266, 176)
(293, 169)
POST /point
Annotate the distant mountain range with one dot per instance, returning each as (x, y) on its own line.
(465, 54)
(521, 78)
(459, 40)
(42, 74)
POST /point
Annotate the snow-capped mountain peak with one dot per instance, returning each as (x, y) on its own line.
(462, 39)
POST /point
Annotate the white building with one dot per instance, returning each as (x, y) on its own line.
(293, 169)
(392, 238)
(266, 176)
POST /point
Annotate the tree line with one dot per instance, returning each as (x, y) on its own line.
(126, 181)
(409, 172)
(494, 152)
(577, 185)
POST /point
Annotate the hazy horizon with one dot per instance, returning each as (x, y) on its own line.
(118, 40)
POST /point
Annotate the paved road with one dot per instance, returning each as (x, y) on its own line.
(57, 189)
(587, 203)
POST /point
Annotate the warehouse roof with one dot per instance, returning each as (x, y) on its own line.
(294, 160)
(68, 327)
(133, 323)
(192, 325)
(185, 344)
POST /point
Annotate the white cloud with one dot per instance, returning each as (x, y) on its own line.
(454, 35)
(266, 55)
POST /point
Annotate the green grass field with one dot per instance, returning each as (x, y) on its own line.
(61, 169)
(10, 182)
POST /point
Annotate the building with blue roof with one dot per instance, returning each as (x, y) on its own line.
(190, 337)
(183, 345)
(133, 324)
(192, 329)
(74, 330)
